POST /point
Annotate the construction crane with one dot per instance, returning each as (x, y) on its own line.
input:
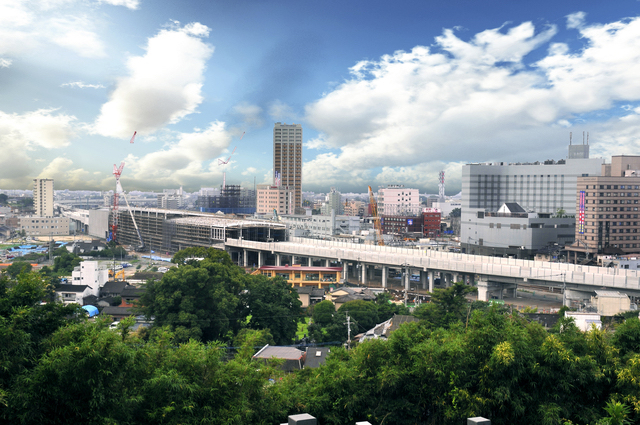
(377, 225)
(221, 162)
(117, 171)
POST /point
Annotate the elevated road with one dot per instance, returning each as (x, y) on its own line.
(491, 274)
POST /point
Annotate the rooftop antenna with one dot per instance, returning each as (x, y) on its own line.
(583, 137)
(587, 138)
(570, 137)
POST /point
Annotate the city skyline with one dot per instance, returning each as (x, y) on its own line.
(387, 94)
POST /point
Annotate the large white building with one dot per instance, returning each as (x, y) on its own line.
(43, 197)
(546, 189)
(397, 200)
(321, 226)
(287, 158)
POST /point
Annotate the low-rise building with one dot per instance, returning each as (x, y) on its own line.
(298, 275)
(321, 226)
(44, 226)
(610, 303)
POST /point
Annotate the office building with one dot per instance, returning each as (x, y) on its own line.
(287, 159)
(44, 226)
(545, 194)
(275, 198)
(607, 209)
(396, 200)
(43, 197)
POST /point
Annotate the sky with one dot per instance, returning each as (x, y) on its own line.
(386, 92)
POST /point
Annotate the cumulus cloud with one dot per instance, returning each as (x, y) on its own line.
(22, 134)
(469, 100)
(5, 63)
(63, 172)
(163, 85)
(187, 162)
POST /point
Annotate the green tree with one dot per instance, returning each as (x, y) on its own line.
(323, 312)
(272, 304)
(456, 212)
(198, 301)
(3, 199)
(627, 337)
(64, 264)
(447, 306)
(18, 267)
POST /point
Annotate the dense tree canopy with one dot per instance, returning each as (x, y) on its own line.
(64, 263)
(461, 360)
(272, 304)
(18, 267)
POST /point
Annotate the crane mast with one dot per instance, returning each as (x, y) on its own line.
(377, 225)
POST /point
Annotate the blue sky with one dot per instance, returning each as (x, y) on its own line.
(386, 92)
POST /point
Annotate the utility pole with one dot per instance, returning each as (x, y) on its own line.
(348, 323)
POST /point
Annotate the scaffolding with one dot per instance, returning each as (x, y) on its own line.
(170, 231)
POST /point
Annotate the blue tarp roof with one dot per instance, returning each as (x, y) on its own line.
(93, 311)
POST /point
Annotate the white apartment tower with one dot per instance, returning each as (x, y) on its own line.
(333, 202)
(43, 197)
(287, 158)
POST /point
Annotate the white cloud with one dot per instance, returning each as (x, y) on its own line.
(162, 87)
(76, 34)
(5, 63)
(280, 111)
(462, 101)
(23, 134)
(251, 114)
(81, 85)
(190, 161)
(61, 170)
(249, 171)
(129, 4)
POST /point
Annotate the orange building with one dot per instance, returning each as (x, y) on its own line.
(303, 275)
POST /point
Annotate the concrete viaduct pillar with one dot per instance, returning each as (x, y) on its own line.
(260, 259)
(431, 280)
(385, 275)
(245, 258)
(423, 278)
(363, 278)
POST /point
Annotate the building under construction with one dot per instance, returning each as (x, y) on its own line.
(169, 231)
(232, 200)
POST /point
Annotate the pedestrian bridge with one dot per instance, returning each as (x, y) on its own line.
(491, 274)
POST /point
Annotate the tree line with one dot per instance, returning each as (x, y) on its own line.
(460, 360)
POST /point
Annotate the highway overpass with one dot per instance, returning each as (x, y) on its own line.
(492, 275)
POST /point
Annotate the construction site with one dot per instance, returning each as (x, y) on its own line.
(169, 231)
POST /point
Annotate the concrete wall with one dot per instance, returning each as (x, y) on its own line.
(99, 223)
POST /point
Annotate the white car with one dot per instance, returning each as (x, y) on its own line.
(114, 325)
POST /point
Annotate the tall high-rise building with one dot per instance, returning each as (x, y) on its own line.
(43, 197)
(287, 158)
